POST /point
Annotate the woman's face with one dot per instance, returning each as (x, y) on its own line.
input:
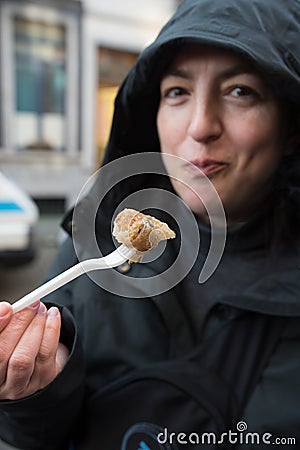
(217, 113)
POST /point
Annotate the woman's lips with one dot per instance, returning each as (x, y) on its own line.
(206, 166)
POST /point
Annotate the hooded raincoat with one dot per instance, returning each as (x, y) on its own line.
(119, 322)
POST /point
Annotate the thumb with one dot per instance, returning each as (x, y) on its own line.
(5, 314)
(62, 356)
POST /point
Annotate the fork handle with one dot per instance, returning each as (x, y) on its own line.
(114, 259)
(48, 287)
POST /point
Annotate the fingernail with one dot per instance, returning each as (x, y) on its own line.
(53, 312)
(4, 309)
(34, 305)
(42, 309)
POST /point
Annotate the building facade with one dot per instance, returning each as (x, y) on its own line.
(61, 64)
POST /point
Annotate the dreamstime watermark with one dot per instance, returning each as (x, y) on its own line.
(239, 436)
(123, 170)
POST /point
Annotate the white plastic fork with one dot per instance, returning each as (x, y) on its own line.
(114, 259)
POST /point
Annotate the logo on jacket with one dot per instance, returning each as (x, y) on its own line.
(143, 436)
(143, 446)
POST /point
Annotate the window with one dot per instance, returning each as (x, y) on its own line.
(113, 67)
(40, 84)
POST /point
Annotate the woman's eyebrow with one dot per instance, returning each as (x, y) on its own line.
(230, 72)
(178, 72)
(240, 69)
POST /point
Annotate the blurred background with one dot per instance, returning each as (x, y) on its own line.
(61, 63)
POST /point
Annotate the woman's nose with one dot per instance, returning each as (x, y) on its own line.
(205, 121)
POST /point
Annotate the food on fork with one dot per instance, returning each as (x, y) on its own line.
(140, 231)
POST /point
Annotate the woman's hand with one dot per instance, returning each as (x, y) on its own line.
(30, 353)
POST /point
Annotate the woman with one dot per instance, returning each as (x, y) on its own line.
(218, 93)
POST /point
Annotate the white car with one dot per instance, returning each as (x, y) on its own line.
(18, 216)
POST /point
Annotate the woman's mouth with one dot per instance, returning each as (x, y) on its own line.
(207, 167)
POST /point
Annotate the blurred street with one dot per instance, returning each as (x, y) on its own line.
(18, 281)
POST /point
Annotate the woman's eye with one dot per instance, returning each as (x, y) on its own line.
(244, 91)
(174, 92)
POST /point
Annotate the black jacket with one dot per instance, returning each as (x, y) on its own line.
(111, 334)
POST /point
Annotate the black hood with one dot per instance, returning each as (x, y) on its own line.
(265, 31)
